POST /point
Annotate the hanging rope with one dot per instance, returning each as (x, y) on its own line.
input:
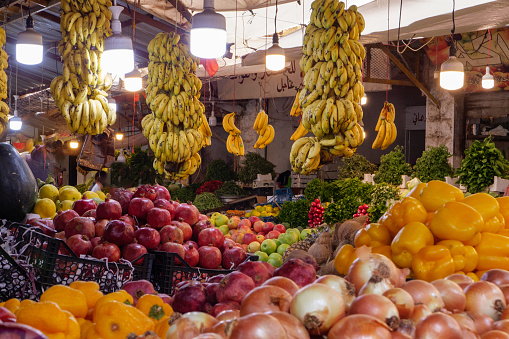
(489, 47)
(235, 58)
(265, 63)
(388, 64)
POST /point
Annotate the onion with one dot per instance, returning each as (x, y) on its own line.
(228, 315)
(438, 325)
(505, 290)
(258, 326)
(363, 268)
(264, 299)
(209, 336)
(468, 334)
(182, 328)
(377, 306)
(464, 321)
(376, 285)
(495, 334)
(399, 335)
(505, 314)
(406, 326)
(341, 285)
(293, 327)
(421, 311)
(483, 323)
(359, 326)
(497, 276)
(424, 293)
(284, 283)
(486, 298)
(452, 295)
(501, 325)
(460, 278)
(201, 320)
(318, 307)
(402, 300)
(223, 328)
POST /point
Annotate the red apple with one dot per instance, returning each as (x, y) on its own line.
(133, 251)
(273, 235)
(258, 226)
(79, 244)
(248, 238)
(100, 226)
(245, 222)
(62, 218)
(268, 227)
(280, 228)
(119, 233)
(172, 247)
(80, 225)
(261, 233)
(253, 219)
(233, 222)
(83, 205)
(260, 238)
(108, 251)
(185, 228)
(109, 209)
(238, 237)
(245, 229)
(171, 233)
(158, 217)
(148, 237)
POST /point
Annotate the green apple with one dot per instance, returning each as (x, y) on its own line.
(224, 229)
(254, 247)
(262, 256)
(269, 246)
(294, 231)
(290, 238)
(282, 248)
(277, 241)
(305, 232)
(221, 220)
(275, 260)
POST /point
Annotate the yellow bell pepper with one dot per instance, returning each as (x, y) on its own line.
(503, 204)
(117, 320)
(456, 221)
(389, 222)
(429, 218)
(409, 240)
(476, 239)
(493, 252)
(416, 191)
(432, 263)
(26, 302)
(90, 289)
(153, 307)
(483, 203)
(437, 193)
(494, 224)
(162, 326)
(69, 299)
(120, 296)
(85, 325)
(383, 250)
(12, 305)
(473, 276)
(344, 259)
(49, 318)
(465, 257)
(408, 210)
(373, 235)
(504, 232)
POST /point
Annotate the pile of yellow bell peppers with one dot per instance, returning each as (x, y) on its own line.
(82, 311)
(435, 231)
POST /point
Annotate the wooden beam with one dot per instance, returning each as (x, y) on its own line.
(49, 17)
(391, 82)
(410, 75)
(151, 21)
(33, 10)
(181, 9)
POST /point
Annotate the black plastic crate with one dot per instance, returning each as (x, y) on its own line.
(264, 191)
(15, 281)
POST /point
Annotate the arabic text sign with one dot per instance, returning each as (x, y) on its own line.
(251, 86)
(415, 118)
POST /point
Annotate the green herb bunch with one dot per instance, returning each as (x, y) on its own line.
(295, 213)
(253, 165)
(341, 210)
(219, 170)
(483, 161)
(206, 201)
(392, 167)
(355, 167)
(433, 164)
(313, 189)
(183, 194)
(230, 188)
(382, 197)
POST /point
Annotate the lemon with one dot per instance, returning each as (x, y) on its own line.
(63, 188)
(264, 214)
(48, 191)
(90, 195)
(247, 215)
(101, 195)
(45, 208)
(65, 205)
(269, 209)
(70, 193)
(259, 208)
(255, 213)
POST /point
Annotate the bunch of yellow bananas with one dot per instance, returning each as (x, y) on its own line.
(4, 108)
(234, 143)
(263, 129)
(332, 88)
(80, 92)
(385, 127)
(305, 155)
(177, 128)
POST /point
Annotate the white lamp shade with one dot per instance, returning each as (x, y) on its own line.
(15, 123)
(364, 99)
(133, 81)
(73, 144)
(121, 158)
(119, 136)
(452, 75)
(212, 120)
(488, 81)
(208, 43)
(117, 60)
(275, 62)
(29, 49)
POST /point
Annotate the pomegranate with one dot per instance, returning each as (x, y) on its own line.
(203, 217)
(123, 197)
(190, 242)
(100, 226)
(234, 287)
(189, 298)
(83, 205)
(133, 251)
(79, 244)
(188, 213)
(226, 306)
(210, 292)
(171, 234)
(233, 257)
(80, 225)
(298, 271)
(62, 218)
(108, 251)
(90, 213)
(210, 257)
(96, 241)
(138, 288)
(185, 228)
(139, 207)
(109, 209)
(256, 270)
(198, 227)
(215, 278)
(119, 233)
(172, 247)
(226, 244)
(165, 204)
(211, 237)
(127, 219)
(46, 225)
(191, 256)
(175, 203)
(162, 192)
(146, 191)
(271, 268)
(166, 298)
(158, 217)
(148, 237)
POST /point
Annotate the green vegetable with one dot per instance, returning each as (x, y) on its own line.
(295, 213)
(392, 167)
(433, 164)
(135, 171)
(382, 197)
(230, 188)
(253, 165)
(207, 201)
(183, 194)
(483, 161)
(355, 167)
(219, 170)
(341, 210)
(313, 189)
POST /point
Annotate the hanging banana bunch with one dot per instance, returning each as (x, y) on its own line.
(263, 129)
(234, 143)
(329, 101)
(177, 127)
(4, 108)
(80, 92)
(385, 127)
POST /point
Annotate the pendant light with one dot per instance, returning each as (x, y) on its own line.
(121, 158)
(212, 118)
(133, 81)
(119, 135)
(452, 74)
(364, 99)
(488, 81)
(29, 44)
(208, 33)
(15, 122)
(118, 55)
(74, 144)
(275, 59)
